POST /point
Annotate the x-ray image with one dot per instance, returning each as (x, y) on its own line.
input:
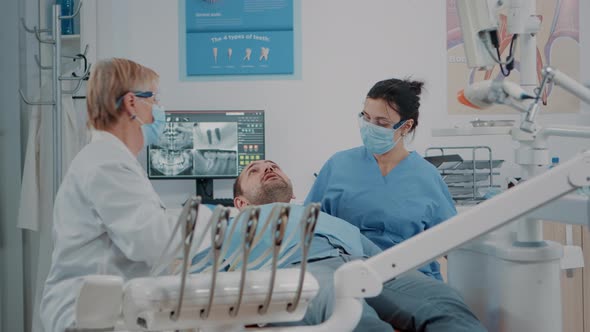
(176, 136)
(173, 155)
(171, 162)
(216, 136)
(215, 163)
(216, 148)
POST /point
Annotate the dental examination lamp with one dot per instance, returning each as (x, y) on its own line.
(484, 94)
(479, 32)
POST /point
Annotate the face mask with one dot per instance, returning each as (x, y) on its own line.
(377, 139)
(153, 131)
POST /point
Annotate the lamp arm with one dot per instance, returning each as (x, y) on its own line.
(567, 83)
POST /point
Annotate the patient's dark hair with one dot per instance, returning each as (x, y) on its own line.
(238, 187)
(401, 95)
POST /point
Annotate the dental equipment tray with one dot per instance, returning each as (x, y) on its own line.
(445, 161)
(479, 164)
(464, 178)
(468, 180)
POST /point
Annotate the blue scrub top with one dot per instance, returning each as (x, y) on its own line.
(387, 209)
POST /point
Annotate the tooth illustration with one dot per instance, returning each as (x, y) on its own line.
(248, 54)
(229, 53)
(264, 53)
(215, 54)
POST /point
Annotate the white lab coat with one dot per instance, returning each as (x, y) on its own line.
(30, 205)
(75, 133)
(38, 164)
(107, 220)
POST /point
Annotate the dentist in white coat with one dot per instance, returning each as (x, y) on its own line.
(107, 217)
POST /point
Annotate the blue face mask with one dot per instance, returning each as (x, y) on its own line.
(153, 131)
(377, 139)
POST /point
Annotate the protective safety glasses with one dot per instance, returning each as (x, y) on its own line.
(139, 94)
(381, 122)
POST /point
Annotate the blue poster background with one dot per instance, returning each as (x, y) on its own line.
(239, 37)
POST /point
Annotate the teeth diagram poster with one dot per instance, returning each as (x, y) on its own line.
(245, 37)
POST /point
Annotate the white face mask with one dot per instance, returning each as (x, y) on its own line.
(153, 131)
(377, 139)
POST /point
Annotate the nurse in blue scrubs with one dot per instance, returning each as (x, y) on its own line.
(388, 192)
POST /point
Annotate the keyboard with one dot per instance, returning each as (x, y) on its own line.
(219, 201)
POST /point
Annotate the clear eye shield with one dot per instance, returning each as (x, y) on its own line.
(382, 123)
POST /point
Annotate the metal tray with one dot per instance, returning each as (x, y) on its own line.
(465, 177)
(479, 164)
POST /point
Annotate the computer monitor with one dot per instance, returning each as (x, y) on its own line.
(206, 145)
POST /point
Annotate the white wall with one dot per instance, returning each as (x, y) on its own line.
(346, 47)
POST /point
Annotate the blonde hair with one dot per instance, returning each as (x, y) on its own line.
(110, 79)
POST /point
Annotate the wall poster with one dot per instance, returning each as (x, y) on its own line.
(239, 37)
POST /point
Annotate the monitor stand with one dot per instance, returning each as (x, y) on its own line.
(205, 189)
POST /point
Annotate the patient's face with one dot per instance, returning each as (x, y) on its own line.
(264, 182)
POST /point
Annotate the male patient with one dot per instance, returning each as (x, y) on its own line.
(411, 302)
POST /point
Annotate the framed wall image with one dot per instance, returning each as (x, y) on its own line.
(558, 45)
(248, 37)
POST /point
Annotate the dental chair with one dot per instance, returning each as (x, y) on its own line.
(234, 300)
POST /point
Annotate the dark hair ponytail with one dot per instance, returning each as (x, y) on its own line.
(401, 95)
(415, 86)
